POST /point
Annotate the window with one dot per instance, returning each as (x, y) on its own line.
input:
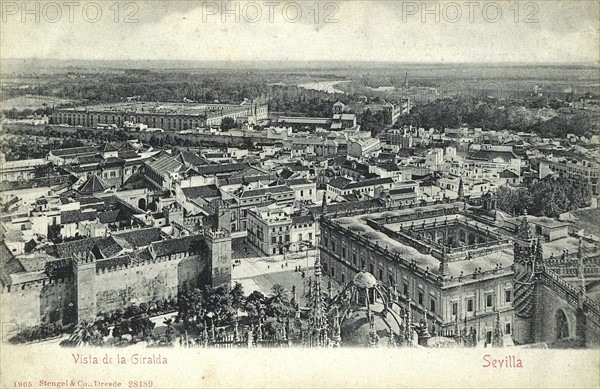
(380, 275)
(454, 309)
(287, 238)
(405, 290)
(420, 298)
(274, 239)
(300, 237)
(432, 305)
(489, 301)
(354, 259)
(470, 305)
(507, 329)
(508, 296)
(310, 236)
(371, 268)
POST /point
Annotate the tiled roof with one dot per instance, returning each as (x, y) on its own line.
(68, 249)
(373, 182)
(164, 165)
(221, 168)
(488, 155)
(302, 219)
(107, 248)
(8, 265)
(128, 154)
(139, 237)
(188, 157)
(206, 191)
(175, 246)
(402, 191)
(107, 147)
(75, 216)
(137, 181)
(111, 216)
(269, 190)
(298, 181)
(508, 174)
(85, 159)
(93, 184)
(340, 182)
(113, 161)
(241, 180)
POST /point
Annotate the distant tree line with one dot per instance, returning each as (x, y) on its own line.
(14, 113)
(489, 114)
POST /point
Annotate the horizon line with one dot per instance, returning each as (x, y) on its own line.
(592, 63)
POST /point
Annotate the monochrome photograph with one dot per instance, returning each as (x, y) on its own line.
(326, 189)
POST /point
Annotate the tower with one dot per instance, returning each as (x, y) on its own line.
(324, 205)
(461, 190)
(84, 270)
(174, 213)
(527, 252)
(317, 318)
(219, 253)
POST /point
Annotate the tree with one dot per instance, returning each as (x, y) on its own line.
(549, 197)
(141, 325)
(218, 301)
(278, 305)
(227, 124)
(238, 299)
(255, 303)
(189, 306)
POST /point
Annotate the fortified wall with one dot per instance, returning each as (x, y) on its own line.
(78, 288)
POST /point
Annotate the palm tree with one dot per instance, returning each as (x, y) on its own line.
(278, 304)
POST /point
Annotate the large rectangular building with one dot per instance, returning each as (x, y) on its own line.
(452, 268)
(166, 116)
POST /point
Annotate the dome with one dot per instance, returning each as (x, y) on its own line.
(365, 280)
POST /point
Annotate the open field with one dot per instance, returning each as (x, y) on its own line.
(33, 102)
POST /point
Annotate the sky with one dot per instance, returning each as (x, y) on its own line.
(394, 31)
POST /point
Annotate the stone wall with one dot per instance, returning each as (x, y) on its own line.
(30, 303)
(159, 280)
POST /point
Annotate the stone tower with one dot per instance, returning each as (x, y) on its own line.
(527, 267)
(174, 213)
(84, 270)
(219, 251)
(224, 217)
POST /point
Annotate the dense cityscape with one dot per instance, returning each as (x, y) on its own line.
(298, 208)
